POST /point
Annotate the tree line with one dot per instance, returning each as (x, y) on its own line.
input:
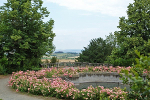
(25, 37)
(119, 48)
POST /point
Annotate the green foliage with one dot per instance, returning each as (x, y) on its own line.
(98, 50)
(133, 34)
(54, 60)
(2, 70)
(36, 68)
(139, 78)
(3, 64)
(49, 74)
(24, 37)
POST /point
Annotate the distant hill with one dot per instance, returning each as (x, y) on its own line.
(69, 50)
(59, 52)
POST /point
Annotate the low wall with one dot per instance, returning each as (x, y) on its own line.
(106, 79)
(72, 64)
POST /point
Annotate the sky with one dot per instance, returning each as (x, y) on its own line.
(76, 22)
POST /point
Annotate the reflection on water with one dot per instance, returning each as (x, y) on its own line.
(108, 81)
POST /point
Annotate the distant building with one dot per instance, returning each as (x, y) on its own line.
(59, 52)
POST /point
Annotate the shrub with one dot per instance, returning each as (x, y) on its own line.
(2, 70)
(36, 83)
(139, 78)
(3, 64)
(54, 60)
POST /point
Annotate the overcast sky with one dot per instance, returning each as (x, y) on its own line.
(79, 21)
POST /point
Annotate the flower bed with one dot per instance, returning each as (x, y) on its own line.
(41, 83)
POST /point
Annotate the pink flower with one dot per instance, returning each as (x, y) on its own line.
(67, 95)
(65, 74)
(108, 92)
(17, 90)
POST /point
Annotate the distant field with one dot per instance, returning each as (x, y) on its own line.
(60, 60)
(63, 57)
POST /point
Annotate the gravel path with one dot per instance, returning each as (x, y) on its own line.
(6, 93)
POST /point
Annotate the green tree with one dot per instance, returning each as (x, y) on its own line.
(138, 78)
(111, 40)
(133, 35)
(54, 60)
(97, 51)
(24, 37)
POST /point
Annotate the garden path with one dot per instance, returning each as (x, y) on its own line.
(6, 93)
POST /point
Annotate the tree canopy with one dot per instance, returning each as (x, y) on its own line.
(24, 36)
(133, 35)
(98, 50)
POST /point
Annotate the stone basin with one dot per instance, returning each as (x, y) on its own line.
(106, 79)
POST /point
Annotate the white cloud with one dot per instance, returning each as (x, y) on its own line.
(109, 7)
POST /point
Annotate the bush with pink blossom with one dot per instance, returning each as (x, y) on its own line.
(46, 82)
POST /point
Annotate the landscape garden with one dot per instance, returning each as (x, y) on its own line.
(46, 82)
(39, 83)
(25, 38)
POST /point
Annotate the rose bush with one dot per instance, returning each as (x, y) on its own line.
(46, 82)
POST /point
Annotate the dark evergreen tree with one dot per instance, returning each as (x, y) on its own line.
(97, 51)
